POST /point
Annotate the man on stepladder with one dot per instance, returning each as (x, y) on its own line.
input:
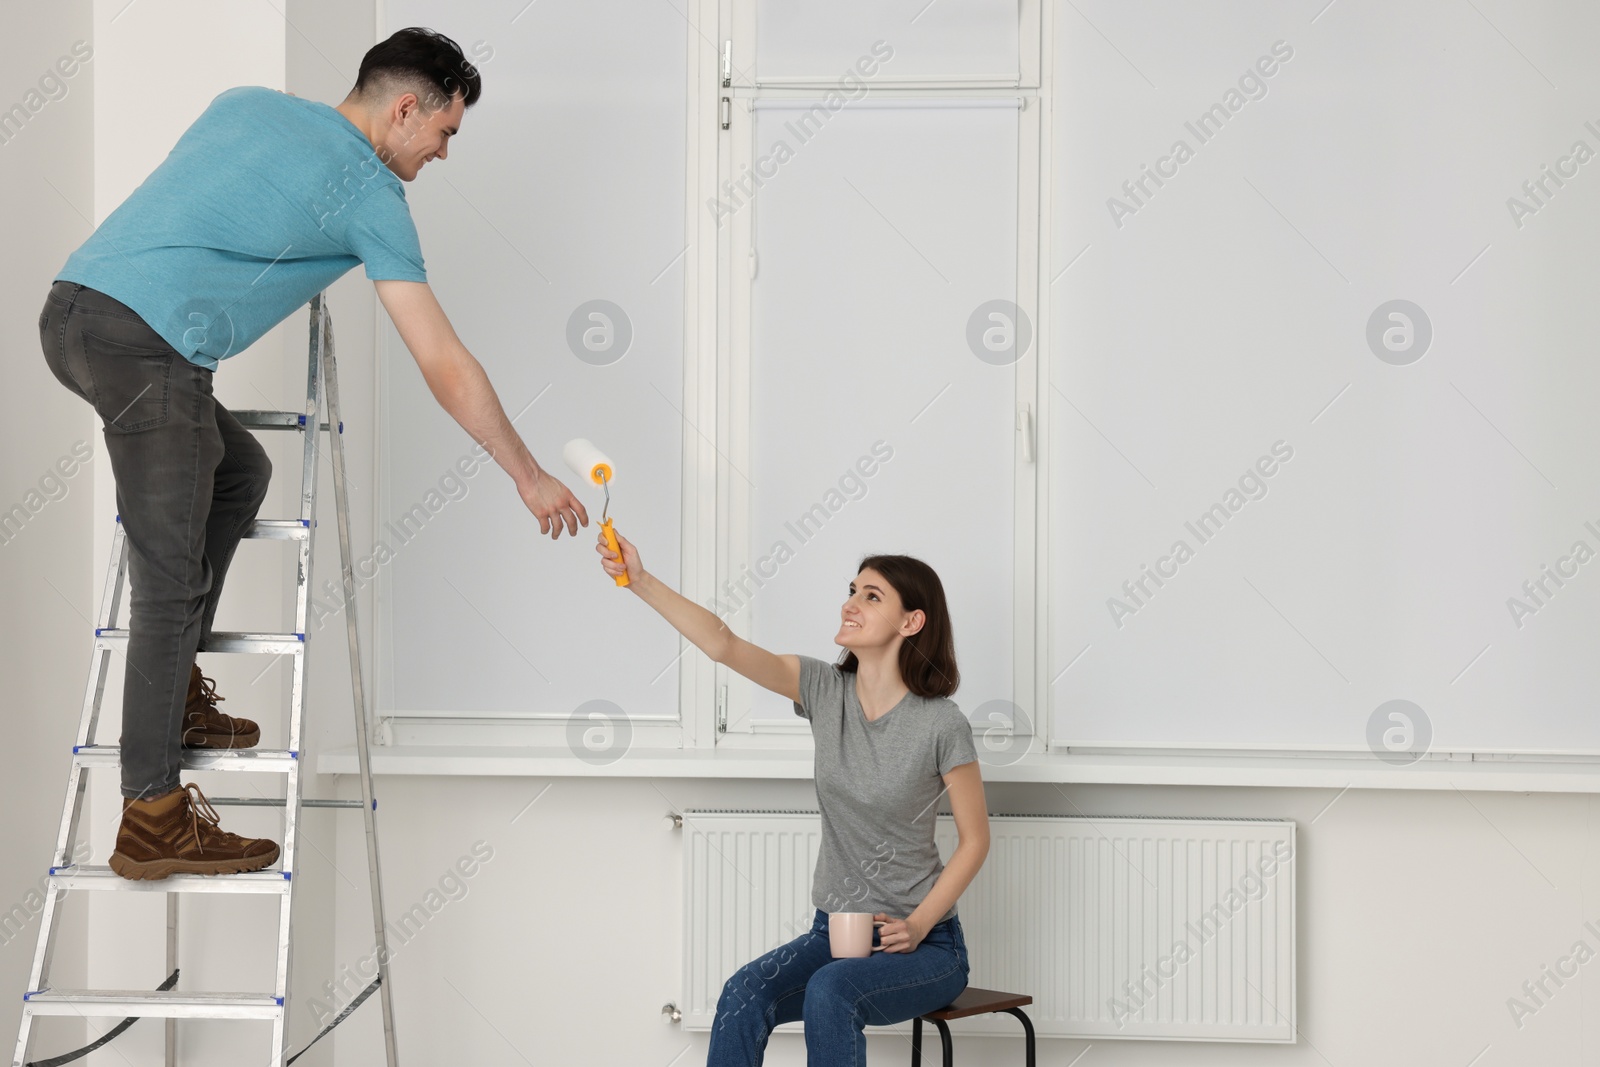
(262, 204)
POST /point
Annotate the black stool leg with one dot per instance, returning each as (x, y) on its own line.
(1027, 1032)
(944, 1040)
(916, 1042)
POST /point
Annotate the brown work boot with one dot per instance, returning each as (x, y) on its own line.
(206, 727)
(178, 834)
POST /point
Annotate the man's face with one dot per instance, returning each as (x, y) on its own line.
(416, 136)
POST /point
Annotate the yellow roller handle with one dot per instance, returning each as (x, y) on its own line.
(611, 539)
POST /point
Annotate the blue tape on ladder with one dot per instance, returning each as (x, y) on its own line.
(341, 426)
(119, 519)
(287, 875)
(302, 420)
(293, 754)
(279, 1000)
(374, 803)
(27, 996)
(98, 631)
(300, 637)
(305, 522)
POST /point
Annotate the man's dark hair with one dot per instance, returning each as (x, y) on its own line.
(416, 59)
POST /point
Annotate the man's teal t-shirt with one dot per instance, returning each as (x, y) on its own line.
(261, 204)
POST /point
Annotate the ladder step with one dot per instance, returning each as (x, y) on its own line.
(279, 529)
(270, 760)
(253, 419)
(272, 644)
(279, 802)
(153, 1005)
(104, 878)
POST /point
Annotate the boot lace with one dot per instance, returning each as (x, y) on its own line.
(208, 693)
(202, 813)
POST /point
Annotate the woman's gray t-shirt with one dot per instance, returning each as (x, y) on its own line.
(878, 786)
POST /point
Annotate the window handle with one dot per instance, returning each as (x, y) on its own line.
(1025, 428)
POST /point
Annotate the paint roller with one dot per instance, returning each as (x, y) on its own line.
(594, 466)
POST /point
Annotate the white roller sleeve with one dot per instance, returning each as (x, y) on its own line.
(588, 462)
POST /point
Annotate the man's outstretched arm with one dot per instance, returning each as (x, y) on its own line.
(462, 388)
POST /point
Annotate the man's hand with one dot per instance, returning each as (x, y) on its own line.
(459, 384)
(554, 506)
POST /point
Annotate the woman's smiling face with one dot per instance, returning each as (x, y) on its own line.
(872, 615)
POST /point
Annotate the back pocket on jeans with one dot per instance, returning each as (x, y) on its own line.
(131, 384)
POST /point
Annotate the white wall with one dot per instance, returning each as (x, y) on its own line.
(46, 176)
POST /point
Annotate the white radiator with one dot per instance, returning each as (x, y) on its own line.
(1165, 928)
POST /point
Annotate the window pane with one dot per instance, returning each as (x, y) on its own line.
(565, 186)
(875, 428)
(1222, 317)
(945, 39)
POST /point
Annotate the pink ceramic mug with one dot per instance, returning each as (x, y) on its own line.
(850, 934)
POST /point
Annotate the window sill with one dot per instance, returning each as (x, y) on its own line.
(1235, 770)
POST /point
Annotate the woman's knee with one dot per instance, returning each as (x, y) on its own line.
(830, 994)
(747, 997)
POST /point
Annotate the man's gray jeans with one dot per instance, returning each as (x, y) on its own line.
(190, 480)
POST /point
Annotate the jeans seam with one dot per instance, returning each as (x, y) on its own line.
(175, 751)
(107, 313)
(66, 301)
(61, 351)
(111, 313)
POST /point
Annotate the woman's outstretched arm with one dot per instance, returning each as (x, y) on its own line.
(705, 631)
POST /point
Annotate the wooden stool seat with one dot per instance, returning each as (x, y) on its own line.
(973, 1001)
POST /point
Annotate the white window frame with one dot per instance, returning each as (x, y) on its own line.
(731, 274)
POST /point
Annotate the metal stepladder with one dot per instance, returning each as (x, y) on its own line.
(321, 413)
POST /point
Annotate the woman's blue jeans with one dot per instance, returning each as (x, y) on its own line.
(836, 998)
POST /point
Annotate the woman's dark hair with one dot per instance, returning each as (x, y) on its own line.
(415, 57)
(927, 657)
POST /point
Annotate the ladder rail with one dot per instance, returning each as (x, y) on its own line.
(110, 603)
(94, 694)
(369, 807)
(317, 343)
(169, 1026)
(77, 785)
